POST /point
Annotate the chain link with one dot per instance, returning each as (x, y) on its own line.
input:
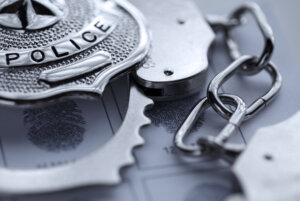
(266, 30)
(208, 144)
(222, 23)
(247, 64)
(215, 84)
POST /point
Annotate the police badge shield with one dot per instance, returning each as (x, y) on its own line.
(51, 47)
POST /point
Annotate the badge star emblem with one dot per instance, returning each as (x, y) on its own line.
(30, 14)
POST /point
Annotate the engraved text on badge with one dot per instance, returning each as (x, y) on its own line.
(97, 31)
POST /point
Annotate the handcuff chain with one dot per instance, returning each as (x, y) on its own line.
(236, 18)
(246, 64)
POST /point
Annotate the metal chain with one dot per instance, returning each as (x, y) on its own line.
(266, 31)
(247, 64)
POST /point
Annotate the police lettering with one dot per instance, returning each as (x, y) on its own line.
(94, 33)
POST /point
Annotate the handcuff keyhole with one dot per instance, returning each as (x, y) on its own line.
(168, 72)
(268, 157)
(181, 21)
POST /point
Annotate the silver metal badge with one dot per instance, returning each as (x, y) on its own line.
(53, 47)
(31, 14)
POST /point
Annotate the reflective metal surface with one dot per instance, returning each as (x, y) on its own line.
(210, 144)
(31, 14)
(257, 105)
(115, 27)
(250, 64)
(181, 41)
(95, 32)
(99, 167)
(266, 31)
(92, 43)
(94, 62)
(269, 169)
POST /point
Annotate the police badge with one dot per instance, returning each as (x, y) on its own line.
(53, 47)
